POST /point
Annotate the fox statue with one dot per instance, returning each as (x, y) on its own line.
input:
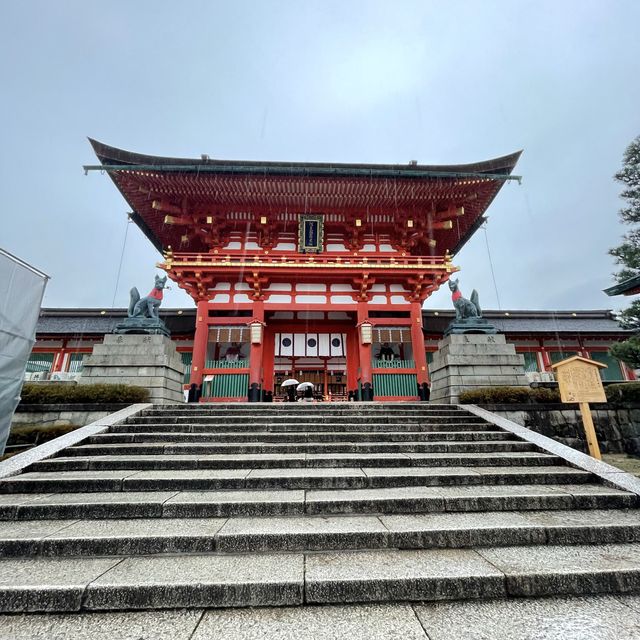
(464, 308)
(148, 306)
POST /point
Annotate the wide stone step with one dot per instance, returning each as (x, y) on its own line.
(564, 618)
(304, 419)
(305, 408)
(322, 478)
(254, 427)
(147, 536)
(249, 503)
(467, 498)
(302, 436)
(293, 460)
(198, 448)
(228, 580)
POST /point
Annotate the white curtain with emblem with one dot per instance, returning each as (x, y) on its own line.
(300, 345)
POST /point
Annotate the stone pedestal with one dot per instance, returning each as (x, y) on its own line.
(149, 361)
(471, 361)
(142, 326)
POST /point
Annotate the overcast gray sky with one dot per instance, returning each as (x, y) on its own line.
(344, 81)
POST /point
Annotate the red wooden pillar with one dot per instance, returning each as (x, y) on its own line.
(255, 357)
(268, 359)
(546, 360)
(583, 352)
(58, 360)
(352, 361)
(419, 355)
(200, 342)
(325, 381)
(364, 351)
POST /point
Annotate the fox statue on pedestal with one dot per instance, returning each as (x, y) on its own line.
(464, 308)
(148, 306)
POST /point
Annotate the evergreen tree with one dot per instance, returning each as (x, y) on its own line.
(628, 351)
(627, 254)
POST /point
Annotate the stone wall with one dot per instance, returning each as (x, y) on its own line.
(58, 415)
(617, 426)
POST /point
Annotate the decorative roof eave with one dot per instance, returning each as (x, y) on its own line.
(233, 186)
(628, 287)
(114, 159)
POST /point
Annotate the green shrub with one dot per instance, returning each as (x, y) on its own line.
(83, 393)
(626, 392)
(544, 395)
(37, 434)
(509, 395)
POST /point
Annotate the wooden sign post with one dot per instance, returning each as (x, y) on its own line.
(579, 381)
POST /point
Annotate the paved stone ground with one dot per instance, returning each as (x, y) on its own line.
(586, 618)
(630, 464)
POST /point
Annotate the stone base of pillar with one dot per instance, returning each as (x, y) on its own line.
(424, 392)
(367, 392)
(149, 361)
(472, 361)
(254, 392)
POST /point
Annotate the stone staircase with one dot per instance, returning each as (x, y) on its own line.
(244, 505)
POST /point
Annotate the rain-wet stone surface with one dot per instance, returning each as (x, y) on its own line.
(235, 503)
(293, 534)
(48, 584)
(578, 569)
(131, 625)
(199, 580)
(160, 535)
(593, 618)
(345, 622)
(400, 575)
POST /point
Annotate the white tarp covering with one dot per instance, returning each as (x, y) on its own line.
(21, 291)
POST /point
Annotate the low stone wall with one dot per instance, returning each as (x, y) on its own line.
(617, 426)
(58, 415)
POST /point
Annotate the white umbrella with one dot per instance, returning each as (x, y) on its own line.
(290, 382)
(304, 385)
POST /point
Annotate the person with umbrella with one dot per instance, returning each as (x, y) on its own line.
(307, 390)
(290, 388)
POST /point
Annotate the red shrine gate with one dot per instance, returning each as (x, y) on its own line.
(317, 271)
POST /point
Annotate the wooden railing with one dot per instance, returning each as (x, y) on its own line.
(393, 364)
(324, 260)
(226, 364)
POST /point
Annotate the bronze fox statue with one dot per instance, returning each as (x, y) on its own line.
(464, 308)
(148, 306)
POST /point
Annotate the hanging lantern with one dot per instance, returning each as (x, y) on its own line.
(366, 332)
(256, 332)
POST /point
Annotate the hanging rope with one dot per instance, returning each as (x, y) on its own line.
(493, 275)
(124, 245)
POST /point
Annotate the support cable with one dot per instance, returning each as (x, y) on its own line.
(493, 275)
(124, 245)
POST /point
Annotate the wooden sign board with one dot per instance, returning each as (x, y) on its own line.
(579, 380)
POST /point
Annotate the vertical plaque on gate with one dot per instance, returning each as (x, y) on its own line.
(310, 233)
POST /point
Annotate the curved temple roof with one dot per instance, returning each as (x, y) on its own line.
(628, 287)
(55, 321)
(223, 187)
